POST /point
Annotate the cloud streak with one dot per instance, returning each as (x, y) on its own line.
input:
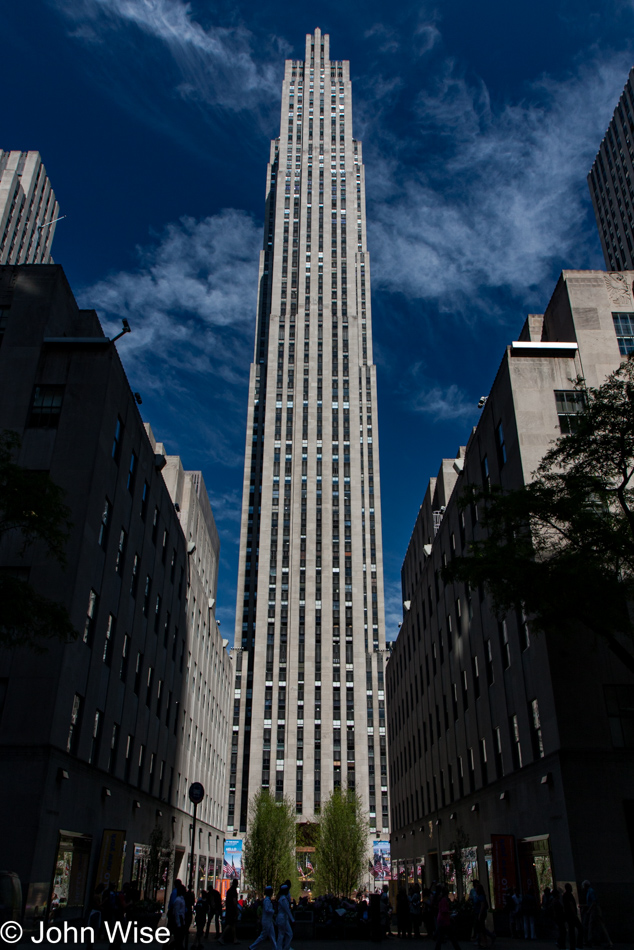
(191, 304)
(217, 64)
(502, 192)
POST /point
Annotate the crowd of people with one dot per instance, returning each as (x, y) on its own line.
(424, 912)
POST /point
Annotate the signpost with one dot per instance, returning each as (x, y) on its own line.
(196, 795)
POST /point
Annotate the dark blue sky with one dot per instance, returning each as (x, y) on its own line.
(479, 124)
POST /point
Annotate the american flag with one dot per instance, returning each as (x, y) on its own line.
(229, 870)
(309, 866)
(300, 869)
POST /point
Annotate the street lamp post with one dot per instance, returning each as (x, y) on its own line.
(196, 795)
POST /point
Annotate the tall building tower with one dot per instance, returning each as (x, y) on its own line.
(611, 188)
(309, 709)
(28, 209)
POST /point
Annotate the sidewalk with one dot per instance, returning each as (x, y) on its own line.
(394, 943)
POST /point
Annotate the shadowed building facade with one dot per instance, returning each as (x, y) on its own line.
(513, 746)
(310, 644)
(100, 738)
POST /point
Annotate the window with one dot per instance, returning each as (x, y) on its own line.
(500, 445)
(72, 743)
(96, 737)
(125, 658)
(132, 473)
(486, 475)
(504, 644)
(516, 747)
(146, 595)
(107, 644)
(123, 539)
(134, 585)
(145, 497)
(129, 749)
(619, 701)
(536, 731)
(624, 327)
(114, 746)
(137, 673)
(89, 625)
(118, 438)
(155, 523)
(105, 519)
(569, 402)
(46, 407)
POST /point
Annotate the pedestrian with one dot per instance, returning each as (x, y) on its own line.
(415, 909)
(201, 911)
(231, 914)
(529, 913)
(483, 910)
(268, 925)
(515, 913)
(284, 919)
(386, 911)
(575, 927)
(403, 923)
(429, 921)
(558, 917)
(475, 908)
(215, 910)
(443, 921)
(179, 916)
(595, 930)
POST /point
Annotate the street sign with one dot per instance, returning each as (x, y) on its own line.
(196, 793)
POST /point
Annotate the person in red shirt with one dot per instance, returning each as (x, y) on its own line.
(443, 921)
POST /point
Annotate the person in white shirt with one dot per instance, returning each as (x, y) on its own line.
(268, 926)
(284, 919)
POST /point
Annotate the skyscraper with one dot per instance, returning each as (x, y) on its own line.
(610, 183)
(28, 209)
(309, 704)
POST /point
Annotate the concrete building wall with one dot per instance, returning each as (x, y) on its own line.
(28, 209)
(127, 584)
(496, 728)
(310, 612)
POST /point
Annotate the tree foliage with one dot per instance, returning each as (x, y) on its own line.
(32, 511)
(341, 851)
(562, 547)
(269, 847)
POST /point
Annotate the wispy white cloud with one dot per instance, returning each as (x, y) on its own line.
(217, 64)
(191, 303)
(442, 404)
(502, 198)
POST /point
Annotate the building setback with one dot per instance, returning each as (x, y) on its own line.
(100, 738)
(308, 701)
(28, 209)
(496, 729)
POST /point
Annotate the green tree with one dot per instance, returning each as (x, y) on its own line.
(341, 850)
(32, 512)
(269, 847)
(562, 548)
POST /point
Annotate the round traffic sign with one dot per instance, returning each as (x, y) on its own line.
(196, 793)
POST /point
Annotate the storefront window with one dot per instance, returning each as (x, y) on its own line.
(202, 873)
(488, 864)
(536, 866)
(68, 894)
(140, 868)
